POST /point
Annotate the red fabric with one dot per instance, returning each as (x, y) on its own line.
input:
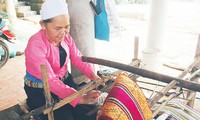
(125, 101)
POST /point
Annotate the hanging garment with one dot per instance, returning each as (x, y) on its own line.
(113, 19)
(102, 29)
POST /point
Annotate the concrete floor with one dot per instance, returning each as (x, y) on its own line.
(11, 82)
(11, 75)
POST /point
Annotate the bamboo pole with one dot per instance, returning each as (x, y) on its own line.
(47, 90)
(146, 73)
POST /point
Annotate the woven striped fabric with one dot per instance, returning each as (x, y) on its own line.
(178, 110)
(125, 101)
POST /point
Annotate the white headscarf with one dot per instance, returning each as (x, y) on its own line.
(53, 8)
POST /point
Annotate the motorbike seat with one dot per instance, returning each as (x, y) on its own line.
(8, 34)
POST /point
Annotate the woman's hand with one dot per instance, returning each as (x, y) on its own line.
(90, 97)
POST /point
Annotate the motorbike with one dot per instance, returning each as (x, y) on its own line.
(5, 35)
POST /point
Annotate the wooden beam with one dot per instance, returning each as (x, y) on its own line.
(146, 73)
(47, 90)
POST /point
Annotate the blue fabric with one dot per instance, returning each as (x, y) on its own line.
(32, 78)
(102, 29)
(3, 23)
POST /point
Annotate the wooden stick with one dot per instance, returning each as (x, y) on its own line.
(162, 105)
(46, 90)
(136, 46)
(150, 83)
(161, 93)
(174, 66)
(146, 73)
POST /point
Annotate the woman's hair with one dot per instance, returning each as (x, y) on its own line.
(47, 20)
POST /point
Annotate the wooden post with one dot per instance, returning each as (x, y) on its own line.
(197, 54)
(47, 90)
(136, 46)
(192, 95)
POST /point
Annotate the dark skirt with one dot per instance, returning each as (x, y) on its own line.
(35, 99)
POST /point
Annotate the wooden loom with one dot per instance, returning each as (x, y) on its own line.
(176, 83)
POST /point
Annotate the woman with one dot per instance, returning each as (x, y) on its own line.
(54, 47)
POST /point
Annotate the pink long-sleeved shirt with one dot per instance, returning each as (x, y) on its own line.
(40, 51)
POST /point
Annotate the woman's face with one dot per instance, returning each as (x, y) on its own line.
(57, 28)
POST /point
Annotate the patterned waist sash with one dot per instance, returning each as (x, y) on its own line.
(34, 84)
(30, 83)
